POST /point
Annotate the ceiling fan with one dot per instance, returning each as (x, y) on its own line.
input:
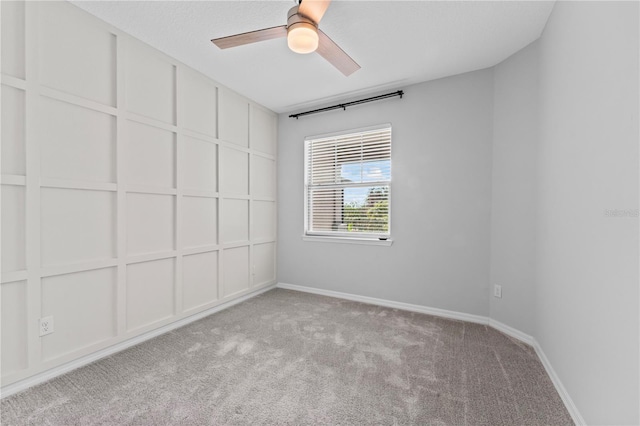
(303, 35)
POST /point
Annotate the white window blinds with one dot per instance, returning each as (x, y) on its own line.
(348, 183)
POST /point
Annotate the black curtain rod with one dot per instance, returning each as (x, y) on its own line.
(348, 104)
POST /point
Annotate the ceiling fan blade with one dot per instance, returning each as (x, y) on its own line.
(329, 50)
(250, 37)
(313, 9)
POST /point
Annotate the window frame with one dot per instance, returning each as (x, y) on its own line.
(348, 237)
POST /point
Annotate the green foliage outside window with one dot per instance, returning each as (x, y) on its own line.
(370, 216)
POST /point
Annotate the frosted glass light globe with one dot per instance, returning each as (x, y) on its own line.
(302, 38)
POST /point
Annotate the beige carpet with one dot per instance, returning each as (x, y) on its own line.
(292, 358)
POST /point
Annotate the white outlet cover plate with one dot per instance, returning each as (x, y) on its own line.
(497, 291)
(46, 325)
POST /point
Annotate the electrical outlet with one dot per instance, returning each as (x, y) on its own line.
(46, 325)
(497, 291)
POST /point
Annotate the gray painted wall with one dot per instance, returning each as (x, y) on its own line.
(513, 210)
(587, 273)
(441, 193)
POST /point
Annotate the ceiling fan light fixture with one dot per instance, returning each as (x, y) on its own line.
(302, 37)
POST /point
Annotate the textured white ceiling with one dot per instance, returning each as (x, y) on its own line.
(395, 42)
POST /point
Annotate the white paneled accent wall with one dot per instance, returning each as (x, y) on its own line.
(135, 190)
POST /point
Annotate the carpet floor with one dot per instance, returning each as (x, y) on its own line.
(286, 357)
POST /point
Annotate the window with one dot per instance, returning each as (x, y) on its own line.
(348, 184)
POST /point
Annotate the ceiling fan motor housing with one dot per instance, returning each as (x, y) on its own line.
(294, 19)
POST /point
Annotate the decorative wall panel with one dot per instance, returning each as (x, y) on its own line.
(151, 156)
(262, 130)
(126, 199)
(12, 38)
(76, 143)
(150, 89)
(234, 172)
(77, 225)
(199, 279)
(263, 177)
(13, 130)
(14, 327)
(13, 228)
(150, 292)
(264, 259)
(236, 270)
(76, 57)
(200, 160)
(233, 118)
(83, 307)
(150, 223)
(198, 97)
(199, 221)
(264, 219)
(235, 219)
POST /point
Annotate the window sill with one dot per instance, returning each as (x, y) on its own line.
(347, 240)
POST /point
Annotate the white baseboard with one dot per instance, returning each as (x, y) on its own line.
(562, 391)
(478, 319)
(510, 331)
(88, 359)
